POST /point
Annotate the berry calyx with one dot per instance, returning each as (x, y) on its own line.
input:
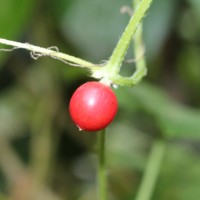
(93, 106)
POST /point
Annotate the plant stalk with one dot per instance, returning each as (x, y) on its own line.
(37, 51)
(115, 62)
(152, 170)
(139, 51)
(101, 173)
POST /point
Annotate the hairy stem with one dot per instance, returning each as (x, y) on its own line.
(40, 51)
(115, 62)
(139, 50)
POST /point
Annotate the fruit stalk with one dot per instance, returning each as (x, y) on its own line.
(101, 175)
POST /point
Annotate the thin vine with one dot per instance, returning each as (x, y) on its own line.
(53, 52)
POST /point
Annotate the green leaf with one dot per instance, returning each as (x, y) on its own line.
(173, 119)
(158, 24)
(93, 26)
(179, 177)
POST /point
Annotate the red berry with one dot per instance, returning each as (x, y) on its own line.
(93, 106)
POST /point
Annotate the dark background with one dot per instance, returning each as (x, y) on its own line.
(42, 153)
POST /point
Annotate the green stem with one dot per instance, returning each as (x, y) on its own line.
(101, 174)
(139, 49)
(152, 170)
(40, 51)
(115, 62)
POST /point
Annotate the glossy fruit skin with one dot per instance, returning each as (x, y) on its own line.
(93, 106)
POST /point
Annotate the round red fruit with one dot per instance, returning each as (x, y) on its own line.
(93, 106)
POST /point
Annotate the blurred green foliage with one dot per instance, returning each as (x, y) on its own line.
(13, 16)
(42, 153)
